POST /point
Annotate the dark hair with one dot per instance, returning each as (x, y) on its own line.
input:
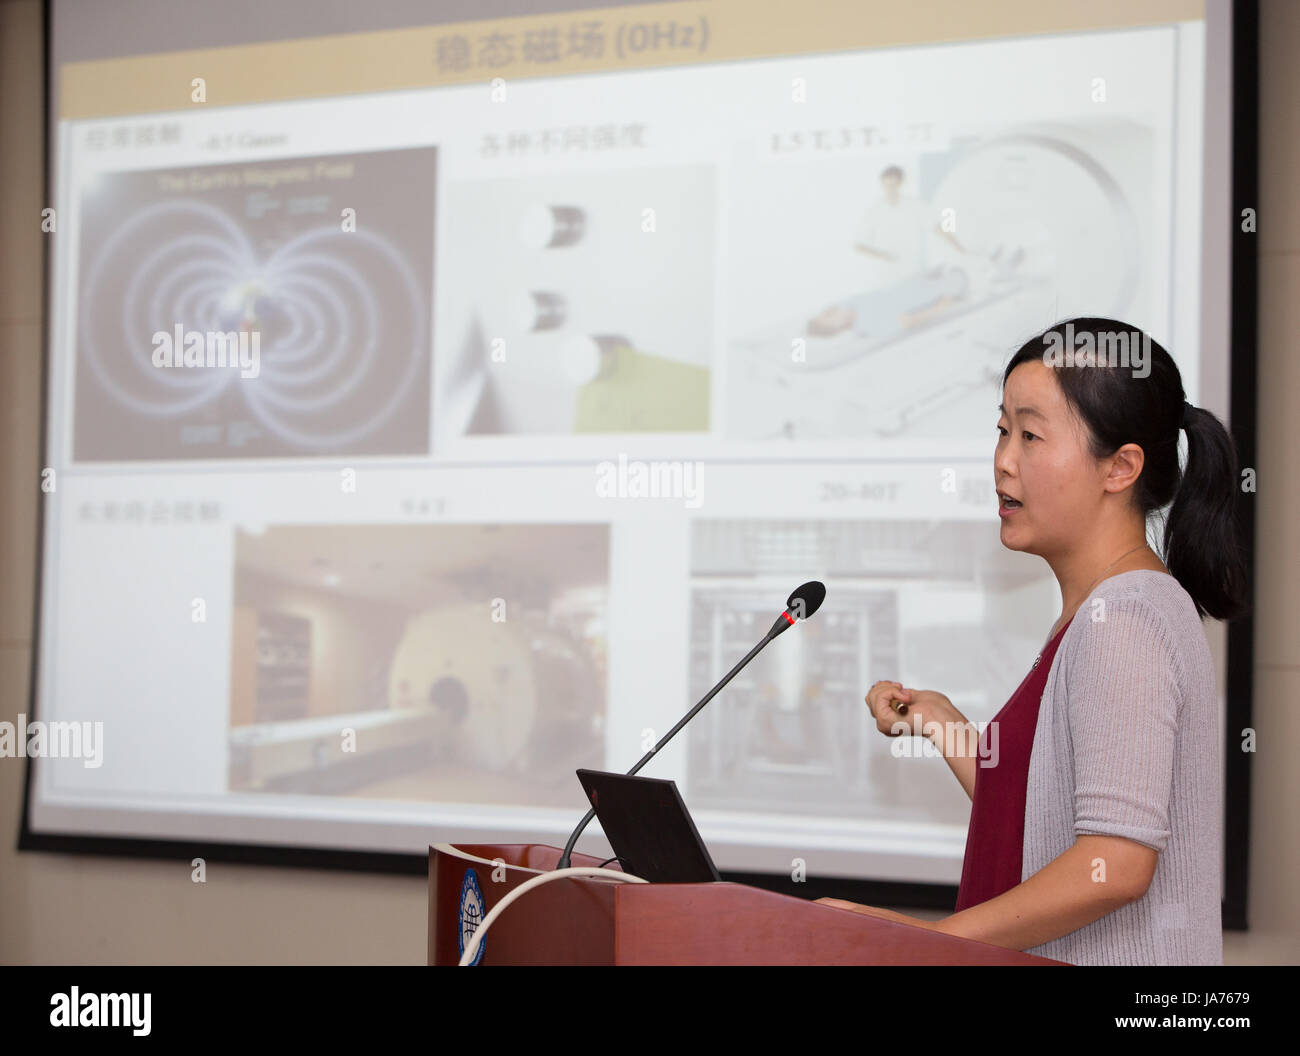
(893, 171)
(1202, 549)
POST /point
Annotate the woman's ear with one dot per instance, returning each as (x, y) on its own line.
(1125, 467)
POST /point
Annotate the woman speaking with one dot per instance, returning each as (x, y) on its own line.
(1097, 836)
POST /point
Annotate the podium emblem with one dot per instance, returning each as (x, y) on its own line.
(472, 911)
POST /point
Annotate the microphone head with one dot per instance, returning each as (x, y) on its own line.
(806, 599)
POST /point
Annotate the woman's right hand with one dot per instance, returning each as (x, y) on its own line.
(921, 708)
(899, 710)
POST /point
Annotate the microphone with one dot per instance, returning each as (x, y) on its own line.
(802, 603)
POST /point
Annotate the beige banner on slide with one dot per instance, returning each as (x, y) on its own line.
(644, 36)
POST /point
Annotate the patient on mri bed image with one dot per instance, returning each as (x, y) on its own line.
(444, 663)
(896, 326)
(887, 313)
(895, 233)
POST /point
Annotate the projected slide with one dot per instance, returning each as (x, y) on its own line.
(257, 309)
(428, 429)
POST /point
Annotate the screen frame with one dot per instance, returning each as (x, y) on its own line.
(1243, 399)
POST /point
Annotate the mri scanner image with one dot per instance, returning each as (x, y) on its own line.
(317, 271)
(581, 302)
(916, 270)
(928, 603)
(461, 663)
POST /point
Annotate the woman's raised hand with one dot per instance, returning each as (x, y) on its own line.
(899, 710)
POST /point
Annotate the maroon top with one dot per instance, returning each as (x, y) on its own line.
(996, 836)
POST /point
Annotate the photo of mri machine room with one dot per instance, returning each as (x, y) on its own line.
(457, 663)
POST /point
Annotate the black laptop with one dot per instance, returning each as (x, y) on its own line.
(649, 828)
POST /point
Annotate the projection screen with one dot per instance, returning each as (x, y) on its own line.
(439, 403)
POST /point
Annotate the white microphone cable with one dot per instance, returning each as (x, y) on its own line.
(476, 939)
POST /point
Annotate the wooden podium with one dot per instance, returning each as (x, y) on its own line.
(592, 920)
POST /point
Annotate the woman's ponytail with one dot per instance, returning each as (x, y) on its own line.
(1202, 549)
